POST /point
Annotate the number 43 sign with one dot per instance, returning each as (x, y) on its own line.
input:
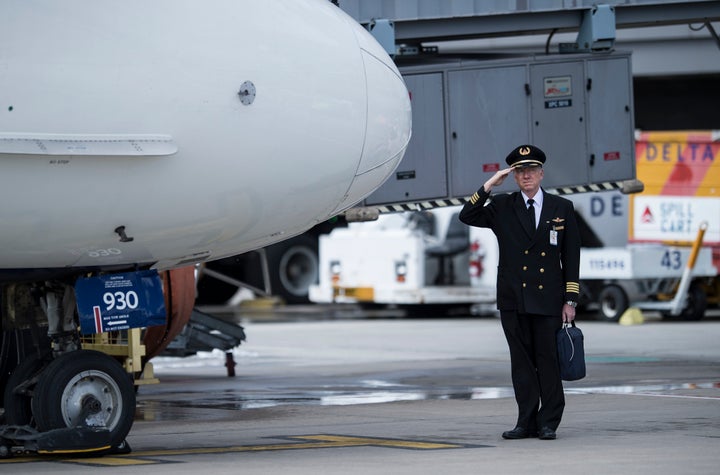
(120, 301)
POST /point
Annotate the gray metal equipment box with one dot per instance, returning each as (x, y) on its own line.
(468, 115)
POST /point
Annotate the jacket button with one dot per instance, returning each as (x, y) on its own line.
(542, 270)
(524, 285)
(526, 252)
(540, 287)
(542, 253)
(524, 267)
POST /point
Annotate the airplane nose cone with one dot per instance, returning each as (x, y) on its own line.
(389, 116)
(388, 124)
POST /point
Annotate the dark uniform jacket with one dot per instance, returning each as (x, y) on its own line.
(538, 269)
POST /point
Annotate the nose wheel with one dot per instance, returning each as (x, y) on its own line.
(85, 388)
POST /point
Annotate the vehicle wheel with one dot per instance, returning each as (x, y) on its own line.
(18, 407)
(85, 388)
(294, 267)
(612, 303)
(696, 304)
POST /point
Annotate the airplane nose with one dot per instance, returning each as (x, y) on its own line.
(388, 125)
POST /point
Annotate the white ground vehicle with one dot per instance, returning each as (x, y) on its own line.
(409, 258)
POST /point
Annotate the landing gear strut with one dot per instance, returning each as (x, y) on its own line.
(58, 302)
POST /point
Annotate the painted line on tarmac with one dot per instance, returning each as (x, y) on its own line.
(680, 396)
(655, 390)
(304, 442)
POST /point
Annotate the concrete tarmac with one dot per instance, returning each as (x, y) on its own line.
(426, 396)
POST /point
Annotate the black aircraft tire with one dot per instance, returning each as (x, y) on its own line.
(74, 379)
(18, 407)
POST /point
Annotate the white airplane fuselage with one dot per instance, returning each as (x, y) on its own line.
(164, 133)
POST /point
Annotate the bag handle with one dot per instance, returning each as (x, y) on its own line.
(572, 345)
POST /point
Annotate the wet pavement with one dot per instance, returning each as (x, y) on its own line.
(340, 361)
(349, 395)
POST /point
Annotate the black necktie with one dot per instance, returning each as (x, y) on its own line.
(531, 212)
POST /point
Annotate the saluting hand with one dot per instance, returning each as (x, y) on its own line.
(497, 179)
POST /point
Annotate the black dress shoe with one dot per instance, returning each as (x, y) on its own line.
(518, 433)
(547, 433)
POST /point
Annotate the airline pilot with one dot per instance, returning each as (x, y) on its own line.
(537, 283)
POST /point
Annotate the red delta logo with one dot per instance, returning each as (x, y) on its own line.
(647, 216)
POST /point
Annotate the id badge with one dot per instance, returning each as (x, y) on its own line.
(553, 237)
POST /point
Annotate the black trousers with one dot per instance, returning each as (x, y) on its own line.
(535, 370)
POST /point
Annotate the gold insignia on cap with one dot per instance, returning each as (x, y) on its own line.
(524, 151)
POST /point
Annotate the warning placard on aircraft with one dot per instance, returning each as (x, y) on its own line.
(120, 301)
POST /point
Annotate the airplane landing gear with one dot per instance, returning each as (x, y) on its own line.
(82, 401)
(85, 388)
(61, 394)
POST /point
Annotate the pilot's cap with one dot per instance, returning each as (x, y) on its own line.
(526, 156)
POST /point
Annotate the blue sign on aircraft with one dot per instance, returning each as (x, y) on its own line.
(120, 301)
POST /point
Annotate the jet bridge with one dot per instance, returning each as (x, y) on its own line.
(416, 22)
(469, 112)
